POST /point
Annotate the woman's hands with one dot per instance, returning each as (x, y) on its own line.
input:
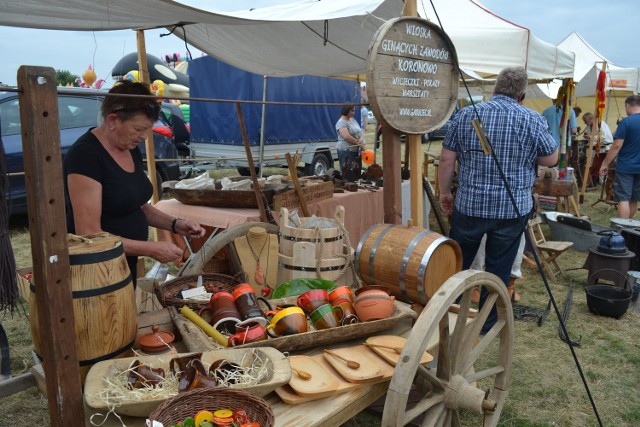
(189, 228)
(165, 252)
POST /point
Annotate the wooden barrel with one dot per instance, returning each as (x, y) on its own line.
(104, 303)
(411, 261)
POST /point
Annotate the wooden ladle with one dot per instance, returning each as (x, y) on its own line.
(396, 349)
(302, 374)
(350, 363)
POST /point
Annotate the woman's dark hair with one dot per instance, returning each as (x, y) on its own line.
(128, 106)
(345, 109)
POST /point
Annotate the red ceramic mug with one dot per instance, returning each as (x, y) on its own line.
(224, 314)
(251, 333)
(311, 300)
(246, 302)
(341, 293)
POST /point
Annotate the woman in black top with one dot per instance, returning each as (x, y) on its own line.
(106, 185)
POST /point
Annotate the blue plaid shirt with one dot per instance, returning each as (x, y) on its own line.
(519, 136)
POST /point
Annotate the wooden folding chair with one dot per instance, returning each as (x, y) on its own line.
(548, 251)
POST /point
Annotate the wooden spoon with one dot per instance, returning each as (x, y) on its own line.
(302, 374)
(350, 363)
(396, 349)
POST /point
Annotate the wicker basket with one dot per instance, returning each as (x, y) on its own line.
(184, 405)
(167, 292)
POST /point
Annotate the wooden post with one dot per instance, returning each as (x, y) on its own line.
(48, 229)
(252, 168)
(143, 76)
(414, 145)
(392, 196)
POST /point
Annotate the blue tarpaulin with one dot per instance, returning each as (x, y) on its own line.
(218, 121)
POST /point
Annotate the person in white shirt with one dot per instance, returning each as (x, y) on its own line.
(606, 139)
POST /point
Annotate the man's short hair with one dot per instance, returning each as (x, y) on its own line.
(512, 82)
(633, 100)
(587, 116)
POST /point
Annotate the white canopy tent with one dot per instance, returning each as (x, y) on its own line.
(620, 82)
(328, 37)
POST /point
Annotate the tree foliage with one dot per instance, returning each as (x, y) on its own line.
(64, 77)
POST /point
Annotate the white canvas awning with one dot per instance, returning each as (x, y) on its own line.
(328, 37)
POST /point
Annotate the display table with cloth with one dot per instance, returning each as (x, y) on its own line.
(363, 209)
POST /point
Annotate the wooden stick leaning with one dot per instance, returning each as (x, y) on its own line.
(252, 168)
(292, 162)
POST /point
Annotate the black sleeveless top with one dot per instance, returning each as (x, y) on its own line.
(123, 193)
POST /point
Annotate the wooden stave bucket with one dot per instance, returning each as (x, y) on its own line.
(426, 258)
(107, 329)
(328, 241)
(308, 267)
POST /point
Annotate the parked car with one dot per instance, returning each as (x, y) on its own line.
(77, 114)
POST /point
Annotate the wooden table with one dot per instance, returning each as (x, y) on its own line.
(363, 209)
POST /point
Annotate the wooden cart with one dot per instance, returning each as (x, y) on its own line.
(473, 371)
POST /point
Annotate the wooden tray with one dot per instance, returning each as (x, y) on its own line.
(369, 370)
(390, 355)
(94, 384)
(196, 340)
(320, 383)
(290, 397)
(222, 198)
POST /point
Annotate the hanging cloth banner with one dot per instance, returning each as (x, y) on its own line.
(601, 99)
(563, 102)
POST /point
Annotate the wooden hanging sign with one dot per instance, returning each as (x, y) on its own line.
(412, 76)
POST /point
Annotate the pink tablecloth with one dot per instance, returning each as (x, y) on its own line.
(363, 209)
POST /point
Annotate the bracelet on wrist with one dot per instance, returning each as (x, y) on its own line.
(173, 226)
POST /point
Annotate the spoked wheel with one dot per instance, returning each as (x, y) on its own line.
(454, 386)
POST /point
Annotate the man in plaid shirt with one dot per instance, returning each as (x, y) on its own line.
(520, 138)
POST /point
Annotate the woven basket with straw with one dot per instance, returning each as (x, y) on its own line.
(184, 405)
(167, 292)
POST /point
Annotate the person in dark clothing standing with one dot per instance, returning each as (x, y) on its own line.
(520, 138)
(105, 183)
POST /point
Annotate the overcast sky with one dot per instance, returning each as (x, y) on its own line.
(610, 27)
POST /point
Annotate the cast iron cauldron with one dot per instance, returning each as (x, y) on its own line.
(607, 300)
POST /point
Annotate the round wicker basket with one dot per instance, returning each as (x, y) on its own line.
(167, 292)
(184, 405)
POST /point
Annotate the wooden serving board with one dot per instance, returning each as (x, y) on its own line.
(94, 384)
(290, 397)
(320, 383)
(390, 355)
(368, 371)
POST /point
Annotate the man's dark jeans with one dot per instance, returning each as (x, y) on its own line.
(503, 239)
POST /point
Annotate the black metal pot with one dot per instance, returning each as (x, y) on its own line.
(607, 300)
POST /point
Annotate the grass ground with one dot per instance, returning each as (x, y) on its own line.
(546, 388)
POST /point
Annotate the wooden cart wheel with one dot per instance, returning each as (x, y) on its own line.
(454, 386)
(219, 241)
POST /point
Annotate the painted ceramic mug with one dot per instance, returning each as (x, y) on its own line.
(288, 321)
(341, 293)
(246, 302)
(326, 316)
(311, 300)
(246, 334)
(224, 314)
(349, 315)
